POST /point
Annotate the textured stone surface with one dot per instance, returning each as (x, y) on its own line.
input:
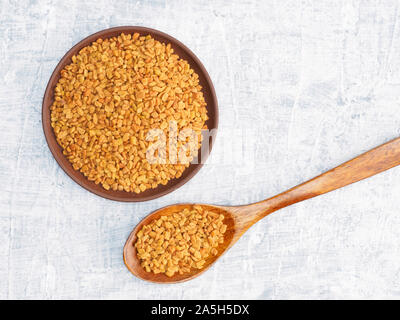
(302, 85)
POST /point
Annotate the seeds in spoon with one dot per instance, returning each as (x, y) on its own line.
(181, 241)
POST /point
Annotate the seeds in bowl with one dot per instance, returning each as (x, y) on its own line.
(109, 99)
(181, 241)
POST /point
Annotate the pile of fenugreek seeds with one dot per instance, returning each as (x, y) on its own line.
(180, 241)
(109, 98)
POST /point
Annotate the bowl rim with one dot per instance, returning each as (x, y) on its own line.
(76, 175)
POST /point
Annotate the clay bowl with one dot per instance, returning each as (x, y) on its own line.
(78, 177)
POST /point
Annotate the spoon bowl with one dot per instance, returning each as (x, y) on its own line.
(240, 218)
(133, 263)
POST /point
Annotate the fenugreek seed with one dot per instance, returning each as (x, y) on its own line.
(168, 246)
(102, 111)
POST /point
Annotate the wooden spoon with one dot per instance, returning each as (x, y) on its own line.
(241, 218)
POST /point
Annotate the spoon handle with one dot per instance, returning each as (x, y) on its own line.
(379, 159)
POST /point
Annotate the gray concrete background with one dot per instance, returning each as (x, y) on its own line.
(302, 87)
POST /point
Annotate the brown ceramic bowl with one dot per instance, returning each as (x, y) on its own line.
(77, 176)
